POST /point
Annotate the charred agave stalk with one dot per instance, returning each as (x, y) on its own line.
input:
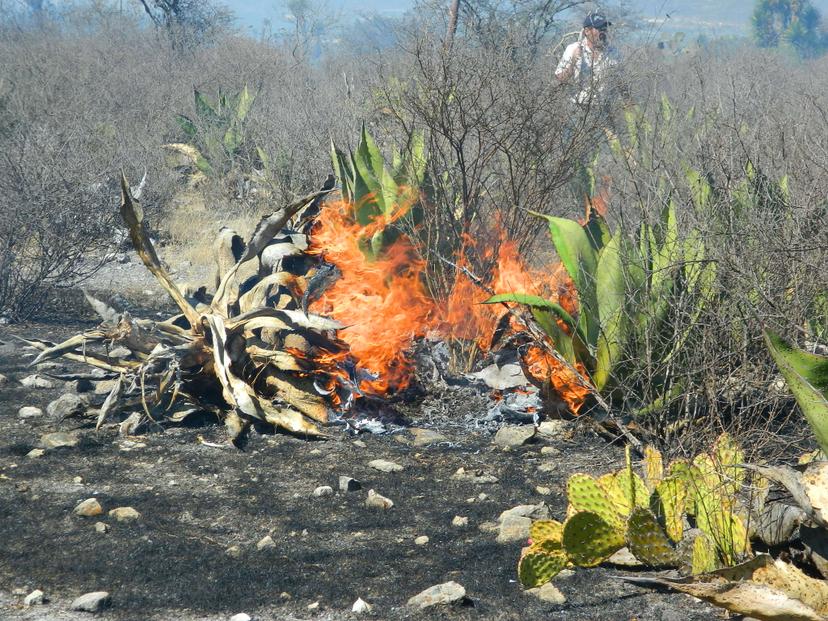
(248, 355)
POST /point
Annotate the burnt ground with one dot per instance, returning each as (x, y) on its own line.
(196, 501)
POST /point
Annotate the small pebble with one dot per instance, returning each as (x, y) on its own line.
(77, 480)
(233, 552)
(347, 484)
(88, 508)
(125, 514)
(543, 491)
(92, 602)
(35, 598)
(313, 606)
(266, 543)
(101, 527)
(241, 617)
(28, 411)
(421, 540)
(359, 443)
(377, 501)
(361, 606)
(460, 521)
(323, 490)
(35, 453)
(383, 465)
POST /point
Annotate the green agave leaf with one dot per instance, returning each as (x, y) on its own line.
(611, 286)
(597, 230)
(245, 102)
(535, 301)
(187, 126)
(700, 189)
(343, 172)
(204, 107)
(364, 196)
(562, 341)
(232, 140)
(580, 260)
(807, 377)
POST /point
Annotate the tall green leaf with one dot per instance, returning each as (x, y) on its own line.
(611, 286)
(807, 377)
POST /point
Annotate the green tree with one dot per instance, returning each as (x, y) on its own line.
(792, 22)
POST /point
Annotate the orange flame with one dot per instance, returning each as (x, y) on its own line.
(385, 306)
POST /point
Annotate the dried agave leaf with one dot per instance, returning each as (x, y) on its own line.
(758, 601)
(311, 321)
(298, 392)
(265, 230)
(257, 296)
(79, 340)
(111, 402)
(792, 481)
(95, 360)
(792, 581)
(282, 360)
(133, 215)
(815, 482)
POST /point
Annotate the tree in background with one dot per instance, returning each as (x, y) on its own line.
(187, 22)
(792, 22)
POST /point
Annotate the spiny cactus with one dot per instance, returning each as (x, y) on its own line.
(649, 516)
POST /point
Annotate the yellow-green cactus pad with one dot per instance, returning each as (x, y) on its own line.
(648, 543)
(705, 558)
(588, 539)
(668, 503)
(653, 467)
(537, 568)
(726, 455)
(546, 530)
(585, 494)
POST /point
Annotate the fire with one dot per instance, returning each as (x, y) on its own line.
(384, 304)
(542, 367)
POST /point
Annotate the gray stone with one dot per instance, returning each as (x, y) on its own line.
(323, 490)
(548, 593)
(3, 380)
(59, 439)
(513, 528)
(35, 381)
(92, 602)
(539, 511)
(29, 411)
(35, 453)
(359, 443)
(35, 598)
(101, 528)
(460, 521)
(383, 465)
(553, 428)
(347, 484)
(233, 552)
(550, 451)
(266, 543)
(104, 387)
(124, 514)
(66, 406)
(439, 594)
(514, 436)
(377, 501)
(424, 437)
(543, 490)
(88, 508)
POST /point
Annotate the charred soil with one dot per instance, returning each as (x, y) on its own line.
(193, 553)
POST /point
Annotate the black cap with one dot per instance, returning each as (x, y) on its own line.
(596, 20)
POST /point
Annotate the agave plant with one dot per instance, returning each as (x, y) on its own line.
(625, 291)
(216, 138)
(379, 193)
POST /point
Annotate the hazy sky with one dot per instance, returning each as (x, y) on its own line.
(714, 16)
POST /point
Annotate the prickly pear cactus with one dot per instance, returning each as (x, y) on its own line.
(539, 567)
(668, 503)
(647, 541)
(588, 539)
(704, 554)
(653, 467)
(586, 494)
(546, 530)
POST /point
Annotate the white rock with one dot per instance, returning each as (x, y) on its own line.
(35, 453)
(35, 381)
(361, 606)
(266, 543)
(101, 527)
(92, 602)
(88, 508)
(383, 465)
(421, 540)
(514, 528)
(3, 380)
(377, 501)
(460, 521)
(242, 616)
(29, 411)
(348, 484)
(67, 405)
(34, 598)
(554, 428)
(548, 593)
(323, 490)
(514, 436)
(59, 439)
(446, 593)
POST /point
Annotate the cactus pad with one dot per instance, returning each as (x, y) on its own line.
(546, 530)
(537, 568)
(585, 494)
(704, 555)
(588, 539)
(632, 486)
(653, 467)
(726, 454)
(616, 497)
(647, 541)
(668, 503)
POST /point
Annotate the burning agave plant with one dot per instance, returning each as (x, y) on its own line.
(249, 354)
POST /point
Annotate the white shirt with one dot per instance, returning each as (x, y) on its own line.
(588, 68)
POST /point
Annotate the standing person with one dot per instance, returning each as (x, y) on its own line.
(585, 62)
